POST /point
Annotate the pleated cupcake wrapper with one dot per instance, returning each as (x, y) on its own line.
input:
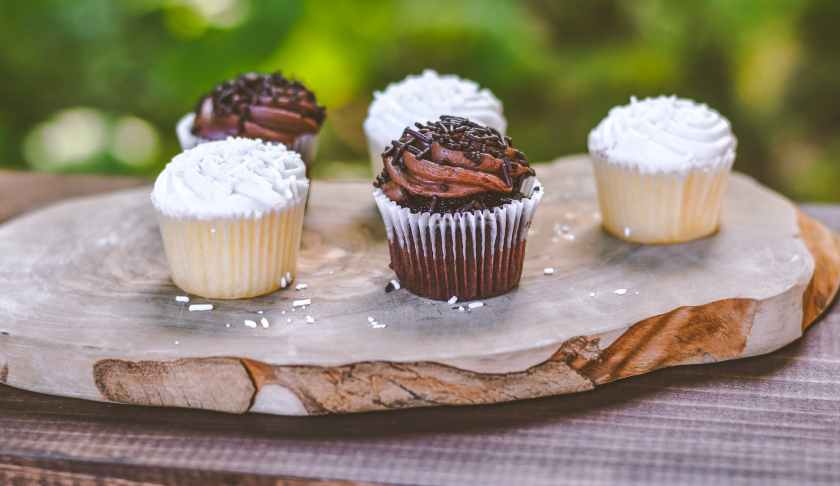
(306, 144)
(663, 207)
(233, 258)
(470, 255)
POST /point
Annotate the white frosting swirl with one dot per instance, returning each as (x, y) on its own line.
(231, 178)
(664, 134)
(424, 98)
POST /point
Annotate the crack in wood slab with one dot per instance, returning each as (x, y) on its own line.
(688, 335)
(824, 246)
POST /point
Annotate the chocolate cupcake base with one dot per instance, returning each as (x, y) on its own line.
(470, 255)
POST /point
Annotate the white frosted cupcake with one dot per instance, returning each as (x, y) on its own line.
(662, 166)
(424, 98)
(231, 217)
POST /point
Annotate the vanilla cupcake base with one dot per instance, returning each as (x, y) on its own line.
(660, 208)
(233, 258)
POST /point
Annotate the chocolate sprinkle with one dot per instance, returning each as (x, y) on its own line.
(238, 95)
(474, 141)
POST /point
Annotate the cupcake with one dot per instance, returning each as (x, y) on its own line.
(457, 200)
(425, 98)
(261, 106)
(661, 167)
(231, 216)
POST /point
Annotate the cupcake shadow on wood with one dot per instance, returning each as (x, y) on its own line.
(457, 200)
(231, 217)
(661, 167)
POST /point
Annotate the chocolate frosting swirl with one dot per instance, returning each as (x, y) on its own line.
(265, 106)
(452, 165)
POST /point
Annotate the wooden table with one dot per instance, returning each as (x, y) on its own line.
(774, 419)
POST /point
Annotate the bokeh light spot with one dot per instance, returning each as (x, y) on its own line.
(135, 141)
(67, 138)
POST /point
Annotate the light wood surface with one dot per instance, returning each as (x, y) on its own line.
(88, 287)
(765, 420)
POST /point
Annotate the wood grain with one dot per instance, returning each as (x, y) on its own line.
(106, 309)
(24, 191)
(741, 422)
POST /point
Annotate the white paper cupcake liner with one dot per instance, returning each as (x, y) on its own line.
(306, 145)
(233, 258)
(470, 255)
(661, 207)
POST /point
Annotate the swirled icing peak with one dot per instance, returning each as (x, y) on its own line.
(425, 97)
(264, 106)
(237, 177)
(664, 134)
(452, 165)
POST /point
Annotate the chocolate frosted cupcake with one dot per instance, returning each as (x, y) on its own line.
(259, 106)
(457, 200)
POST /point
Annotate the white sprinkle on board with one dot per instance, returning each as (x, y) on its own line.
(475, 305)
(548, 271)
(250, 323)
(182, 298)
(264, 323)
(200, 307)
(452, 300)
(301, 302)
(310, 320)
(283, 282)
(620, 291)
(301, 286)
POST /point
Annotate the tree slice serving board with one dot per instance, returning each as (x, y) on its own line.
(87, 309)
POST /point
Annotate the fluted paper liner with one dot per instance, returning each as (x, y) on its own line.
(471, 255)
(305, 144)
(233, 258)
(663, 207)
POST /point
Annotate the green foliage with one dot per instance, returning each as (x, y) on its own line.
(116, 75)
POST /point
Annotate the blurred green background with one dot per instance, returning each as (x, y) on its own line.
(97, 85)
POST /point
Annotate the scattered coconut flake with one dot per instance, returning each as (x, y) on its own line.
(182, 298)
(452, 300)
(392, 286)
(200, 307)
(283, 282)
(475, 305)
(310, 320)
(301, 302)
(548, 271)
(461, 308)
(301, 286)
(620, 291)
(250, 323)
(371, 319)
(260, 312)
(264, 323)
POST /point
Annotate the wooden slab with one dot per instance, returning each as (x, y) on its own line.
(86, 308)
